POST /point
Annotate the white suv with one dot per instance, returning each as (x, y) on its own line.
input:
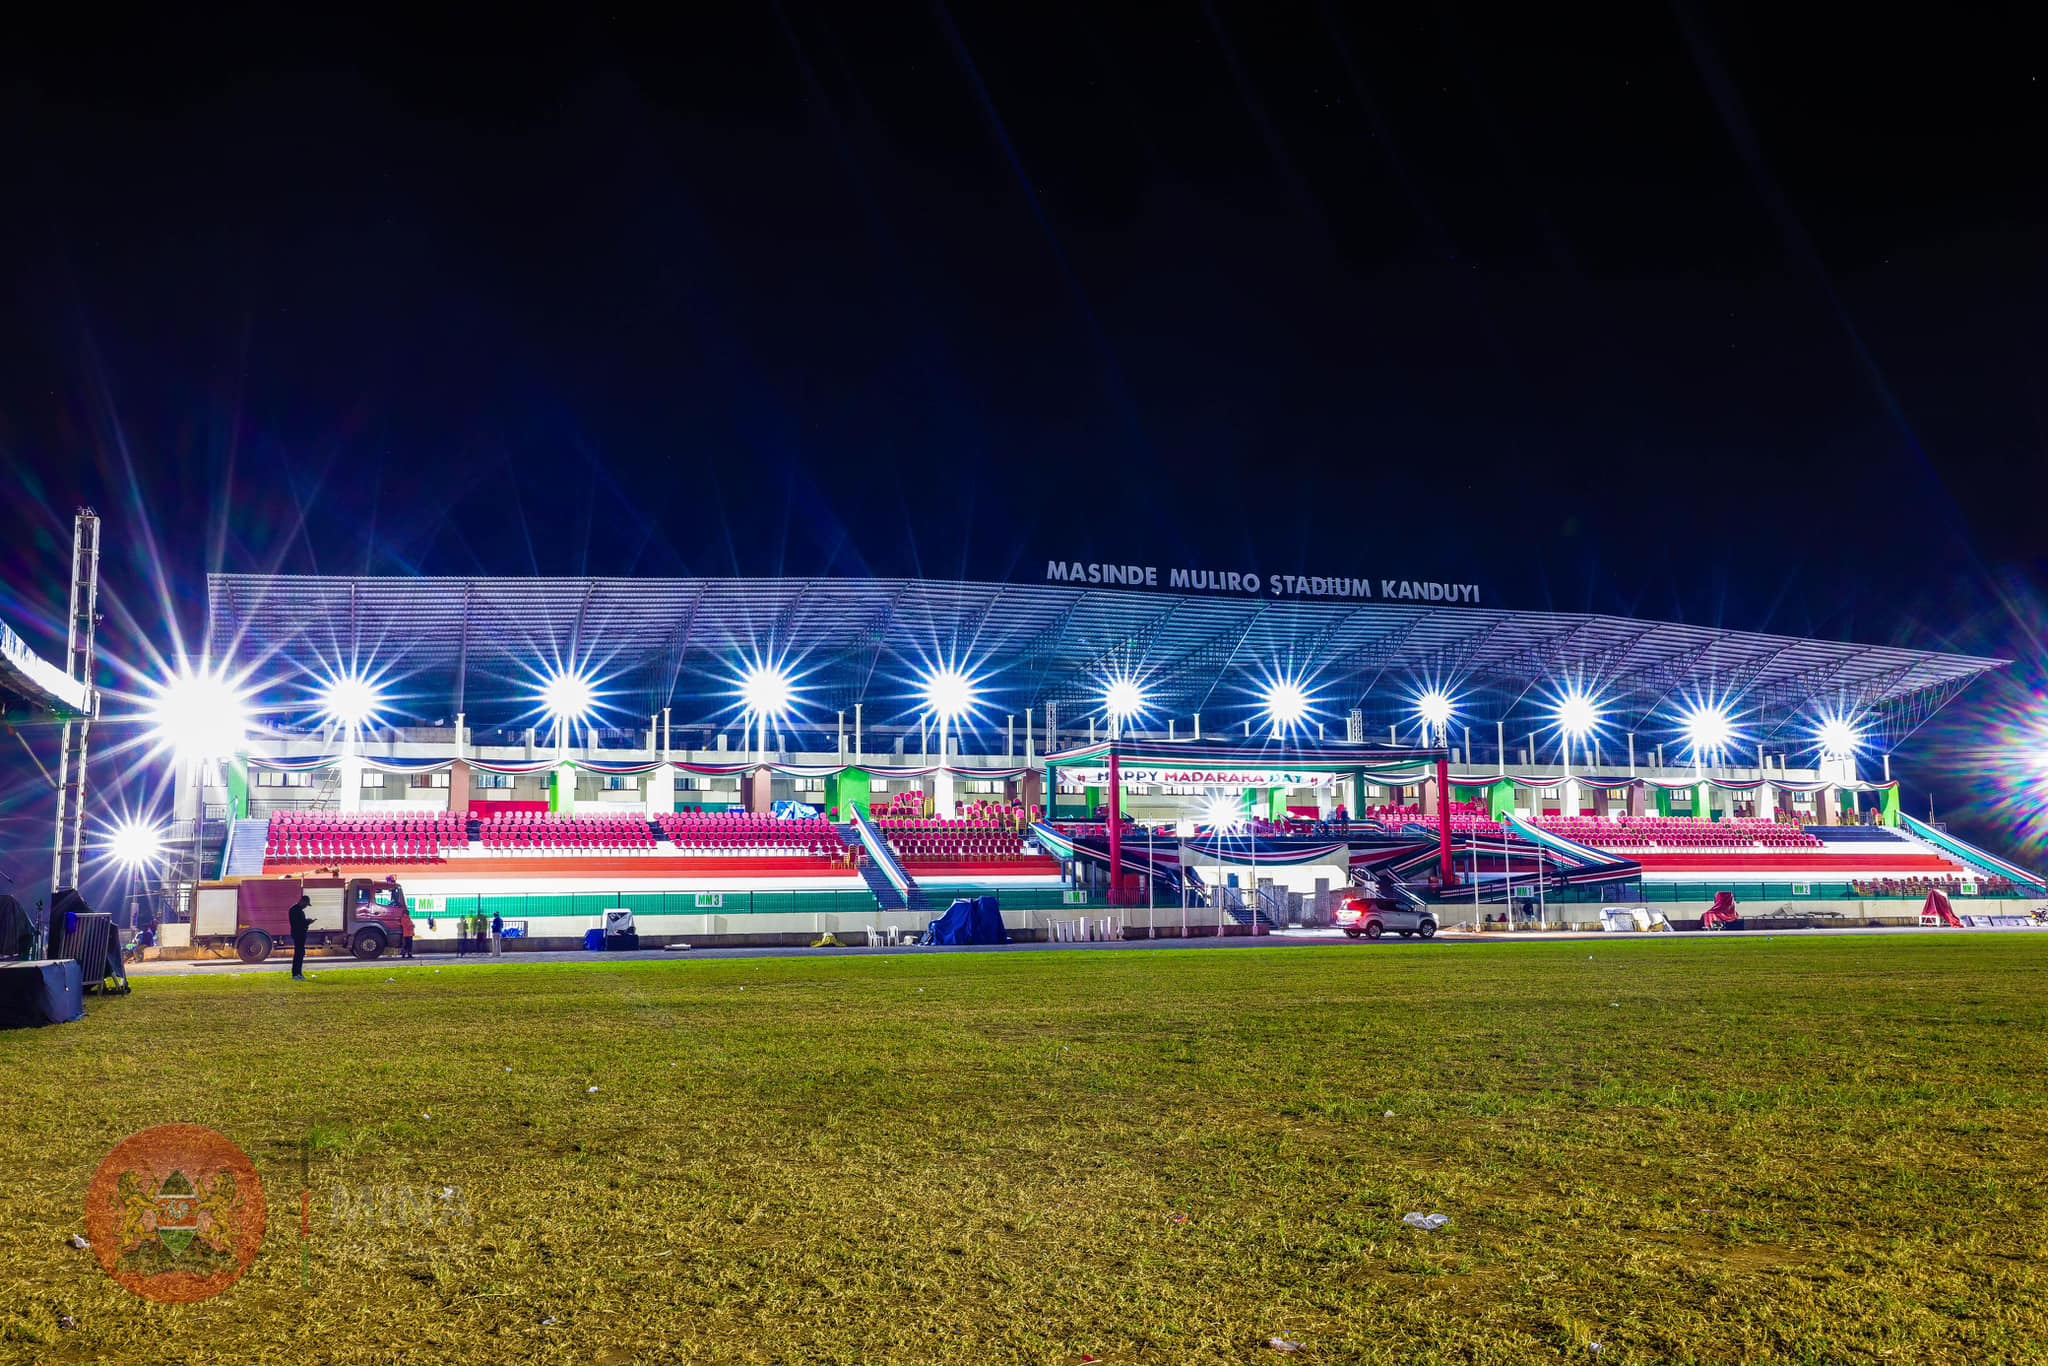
(1360, 916)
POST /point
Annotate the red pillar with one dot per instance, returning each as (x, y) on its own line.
(1443, 821)
(1116, 830)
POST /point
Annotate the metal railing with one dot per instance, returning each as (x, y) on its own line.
(544, 906)
(1648, 893)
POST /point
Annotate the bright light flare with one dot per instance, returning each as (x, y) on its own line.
(201, 714)
(1123, 699)
(1577, 715)
(1224, 813)
(949, 693)
(1435, 707)
(135, 844)
(351, 701)
(1838, 738)
(1286, 705)
(567, 697)
(767, 693)
(1707, 729)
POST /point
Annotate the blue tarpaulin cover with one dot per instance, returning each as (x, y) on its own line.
(970, 920)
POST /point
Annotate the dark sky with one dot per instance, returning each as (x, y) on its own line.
(1717, 314)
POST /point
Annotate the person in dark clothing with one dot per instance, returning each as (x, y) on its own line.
(17, 931)
(300, 923)
(404, 917)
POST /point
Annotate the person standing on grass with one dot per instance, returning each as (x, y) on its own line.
(300, 923)
(397, 894)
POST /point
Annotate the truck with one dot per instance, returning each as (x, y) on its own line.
(252, 914)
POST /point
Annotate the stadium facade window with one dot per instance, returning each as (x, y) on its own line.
(373, 780)
(621, 782)
(427, 780)
(270, 777)
(493, 781)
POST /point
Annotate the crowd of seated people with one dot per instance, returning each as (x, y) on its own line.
(917, 806)
(1947, 883)
(542, 832)
(989, 837)
(740, 833)
(397, 838)
(1678, 832)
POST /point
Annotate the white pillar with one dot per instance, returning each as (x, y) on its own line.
(943, 803)
(351, 777)
(660, 789)
(566, 776)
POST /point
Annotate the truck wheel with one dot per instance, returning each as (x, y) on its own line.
(1373, 929)
(1427, 929)
(367, 943)
(253, 946)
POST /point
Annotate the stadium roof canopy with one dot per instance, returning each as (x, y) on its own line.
(28, 682)
(481, 646)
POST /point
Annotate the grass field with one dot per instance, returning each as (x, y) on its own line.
(1756, 1149)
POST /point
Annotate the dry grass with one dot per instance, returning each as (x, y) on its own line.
(1808, 1150)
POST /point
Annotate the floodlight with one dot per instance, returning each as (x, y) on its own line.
(200, 715)
(567, 697)
(135, 844)
(351, 701)
(1123, 699)
(949, 693)
(1838, 738)
(1286, 704)
(1708, 729)
(1577, 715)
(1435, 707)
(1224, 813)
(766, 692)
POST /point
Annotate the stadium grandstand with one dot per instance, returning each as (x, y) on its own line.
(763, 759)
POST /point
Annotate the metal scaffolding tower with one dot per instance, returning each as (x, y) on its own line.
(80, 660)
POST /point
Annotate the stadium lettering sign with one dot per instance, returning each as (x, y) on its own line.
(1273, 585)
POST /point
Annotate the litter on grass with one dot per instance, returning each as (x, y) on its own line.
(1283, 1345)
(1428, 1223)
(79, 1243)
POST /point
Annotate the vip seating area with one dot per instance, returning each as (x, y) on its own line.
(911, 806)
(740, 834)
(1678, 832)
(993, 839)
(426, 838)
(543, 835)
(1949, 884)
(1467, 818)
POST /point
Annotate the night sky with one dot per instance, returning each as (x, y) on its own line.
(1718, 315)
